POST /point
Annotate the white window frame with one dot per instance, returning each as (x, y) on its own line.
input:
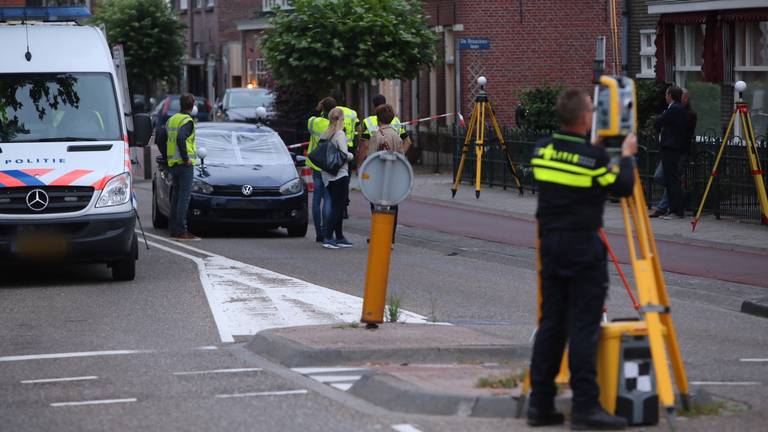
(274, 5)
(210, 3)
(183, 5)
(685, 43)
(198, 4)
(742, 65)
(647, 52)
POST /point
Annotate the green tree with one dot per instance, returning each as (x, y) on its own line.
(151, 35)
(539, 104)
(322, 44)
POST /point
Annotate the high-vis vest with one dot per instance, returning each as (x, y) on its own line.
(372, 125)
(316, 126)
(350, 122)
(174, 124)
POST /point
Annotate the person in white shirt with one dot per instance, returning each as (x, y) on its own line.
(338, 184)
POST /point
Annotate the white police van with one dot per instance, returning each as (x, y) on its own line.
(65, 173)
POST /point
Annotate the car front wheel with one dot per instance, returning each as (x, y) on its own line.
(125, 269)
(297, 230)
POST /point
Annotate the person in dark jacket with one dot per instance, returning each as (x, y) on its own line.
(662, 209)
(673, 124)
(573, 179)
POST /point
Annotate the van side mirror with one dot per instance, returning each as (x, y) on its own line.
(142, 130)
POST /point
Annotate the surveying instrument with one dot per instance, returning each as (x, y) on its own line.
(741, 111)
(476, 131)
(616, 117)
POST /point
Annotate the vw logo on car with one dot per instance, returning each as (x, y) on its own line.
(37, 200)
(247, 190)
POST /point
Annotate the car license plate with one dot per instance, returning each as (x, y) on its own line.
(245, 204)
(41, 245)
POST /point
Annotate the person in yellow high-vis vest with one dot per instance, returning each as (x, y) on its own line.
(321, 200)
(181, 152)
(370, 125)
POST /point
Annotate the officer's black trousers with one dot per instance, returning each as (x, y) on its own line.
(574, 283)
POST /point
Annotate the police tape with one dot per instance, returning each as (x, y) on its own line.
(408, 123)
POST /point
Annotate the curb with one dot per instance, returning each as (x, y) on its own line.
(397, 395)
(293, 354)
(757, 307)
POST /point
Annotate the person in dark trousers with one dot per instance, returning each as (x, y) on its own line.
(573, 178)
(673, 124)
(662, 208)
(181, 152)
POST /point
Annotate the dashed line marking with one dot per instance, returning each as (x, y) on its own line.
(329, 379)
(405, 427)
(71, 355)
(726, 383)
(754, 360)
(319, 370)
(219, 371)
(268, 393)
(207, 348)
(55, 380)
(93, 402)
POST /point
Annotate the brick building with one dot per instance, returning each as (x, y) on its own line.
(517, 45)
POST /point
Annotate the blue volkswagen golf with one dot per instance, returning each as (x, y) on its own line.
(247, 177)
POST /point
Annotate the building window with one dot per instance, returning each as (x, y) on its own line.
(183, 5)
(209, 3)
(198, 50)
(274, 5)
(751, 66)
(198, 4)
(705, 96)
(647, 54)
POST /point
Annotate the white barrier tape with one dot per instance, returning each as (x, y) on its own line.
(408, 123)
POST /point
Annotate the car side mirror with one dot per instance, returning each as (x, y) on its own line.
(142, 130)
(299, 161)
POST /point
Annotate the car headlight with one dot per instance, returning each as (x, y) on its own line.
(292, 187)
(117, 191)
(202, 187)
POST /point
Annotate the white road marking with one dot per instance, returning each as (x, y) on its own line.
(754, 360)
(269, 393)
(54, 380)
(207, 348)
(93, 402)
(726, 383)
(343, 386)
(218, 371)
(245, 299)
(405, 428)
(328, 379)
(318, 370)
(71, 355)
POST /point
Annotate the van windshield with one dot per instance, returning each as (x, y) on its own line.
(58, 107)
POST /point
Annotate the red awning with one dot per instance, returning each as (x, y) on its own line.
(760, 14)
(683, 18)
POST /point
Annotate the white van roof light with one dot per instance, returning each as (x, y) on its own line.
(47, 14)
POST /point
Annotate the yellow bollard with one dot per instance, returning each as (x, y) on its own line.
(377, 273)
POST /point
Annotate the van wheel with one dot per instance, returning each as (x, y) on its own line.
(159, 220)
(125, 269)
(297, 230)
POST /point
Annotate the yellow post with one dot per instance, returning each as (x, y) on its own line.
(377, 273)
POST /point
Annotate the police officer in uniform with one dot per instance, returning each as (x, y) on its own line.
(181, 152)
(371, 124)
(573, 177)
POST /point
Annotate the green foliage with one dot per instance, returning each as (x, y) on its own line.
(151, 35)
(393, 311)
(539, 104)
(650, 103)
(322, 44)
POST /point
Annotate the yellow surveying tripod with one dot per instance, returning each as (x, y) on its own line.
(477, 126)
(742, 112)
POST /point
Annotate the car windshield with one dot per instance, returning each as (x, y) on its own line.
(58, 107)
(239, 148)
(250, 99)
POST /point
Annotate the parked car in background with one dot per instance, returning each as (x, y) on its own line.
(247, 178)
(139, 104)
(239, 105)
(170, 105)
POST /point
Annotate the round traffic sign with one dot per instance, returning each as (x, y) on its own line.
(386, 178)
